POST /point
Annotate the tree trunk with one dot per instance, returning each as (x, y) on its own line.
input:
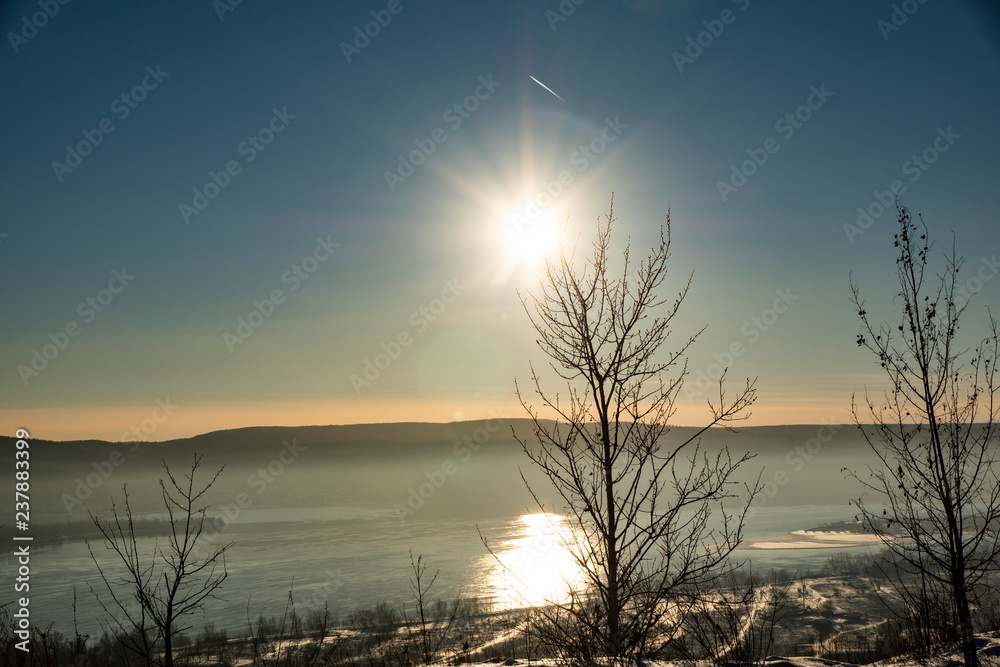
(168, 641)
(965, 629)
(611, 543)
(168, 650)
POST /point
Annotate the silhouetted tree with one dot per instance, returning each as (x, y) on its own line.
(652, 534)
(434, 632)
(934, 432)
(168, 583)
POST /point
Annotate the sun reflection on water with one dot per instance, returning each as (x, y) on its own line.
(536, 567)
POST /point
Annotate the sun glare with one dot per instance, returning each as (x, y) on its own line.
(536, 568)
(530, 238)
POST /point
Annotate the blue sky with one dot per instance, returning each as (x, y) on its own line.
(318, 188)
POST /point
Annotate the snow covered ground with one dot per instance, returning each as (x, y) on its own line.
(816, 539)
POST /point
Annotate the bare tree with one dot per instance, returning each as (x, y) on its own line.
(434, 632)
(168, 583)
(934, 432)
(651, 531)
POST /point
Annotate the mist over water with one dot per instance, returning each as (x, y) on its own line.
(336, 524)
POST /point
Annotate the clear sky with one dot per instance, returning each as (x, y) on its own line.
(165, 168)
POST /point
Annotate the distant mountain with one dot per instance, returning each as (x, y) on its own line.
(409, 435)
(351, 463)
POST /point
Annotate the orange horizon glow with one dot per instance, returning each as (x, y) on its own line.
(113, 423)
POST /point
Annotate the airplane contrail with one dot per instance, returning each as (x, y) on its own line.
(550, 90)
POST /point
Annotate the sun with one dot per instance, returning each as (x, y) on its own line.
(531, 234)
